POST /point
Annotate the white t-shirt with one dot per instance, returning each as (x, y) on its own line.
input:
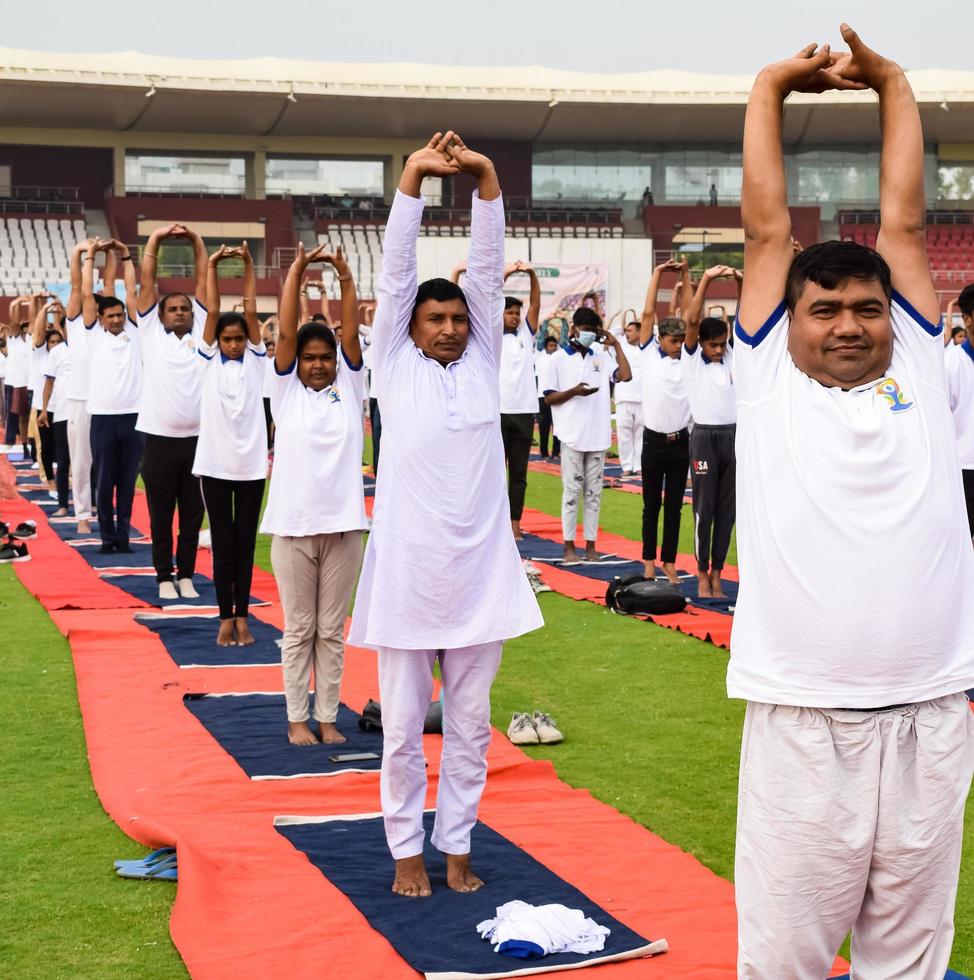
(35, 371)
(58, 367)
(665, 405)
(173, 378)
(542, 361)
(114, 370)
(583, 423)
(709, 386)
(518, 390)
(960, 388)
(855, 557)
(267, 385)
(316, 482)
(631, 391)
(18, 360)
(78, 342)
(233, 432)
(3, 367)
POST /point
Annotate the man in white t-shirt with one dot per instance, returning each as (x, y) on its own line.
(114, 393)
(548, 443)
(629, 405)
(170, 332)
(442, 578)
(853, 635)
(578, 393)
(960, 387)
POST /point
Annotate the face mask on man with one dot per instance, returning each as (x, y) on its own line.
(586, 337)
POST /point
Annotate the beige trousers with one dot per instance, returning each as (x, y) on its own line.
(315, 577)
(851, 820)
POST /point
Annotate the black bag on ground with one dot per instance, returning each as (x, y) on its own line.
(644, 596)
(371, 718)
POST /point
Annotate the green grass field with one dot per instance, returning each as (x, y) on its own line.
(649, 731)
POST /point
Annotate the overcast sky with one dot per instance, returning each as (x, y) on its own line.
(599, 36)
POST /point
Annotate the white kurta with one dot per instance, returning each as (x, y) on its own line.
(441, 569)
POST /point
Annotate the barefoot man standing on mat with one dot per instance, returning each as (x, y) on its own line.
(853, 639)
(442, 579)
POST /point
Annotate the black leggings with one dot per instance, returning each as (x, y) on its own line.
(46, 433)
(62, 456)
(969, 498)
(233, 507)
(517, 431)
(544, 430)
(665, 462)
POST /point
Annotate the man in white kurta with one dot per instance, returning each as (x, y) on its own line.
(441, 578)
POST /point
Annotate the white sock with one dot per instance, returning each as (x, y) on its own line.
(167, 591)
(186, 589)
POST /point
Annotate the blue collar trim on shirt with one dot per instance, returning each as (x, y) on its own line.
(662, 353)
(568, 349)
(967, 348)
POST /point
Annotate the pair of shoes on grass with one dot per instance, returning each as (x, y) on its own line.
(536, 729)
(14, 549)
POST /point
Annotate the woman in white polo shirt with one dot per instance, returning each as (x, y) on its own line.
(231, 453)
(316, 506)
(53, 398)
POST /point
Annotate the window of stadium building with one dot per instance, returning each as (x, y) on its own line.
(339, 179)
(591, 174)
(691, 184)
(184, 174)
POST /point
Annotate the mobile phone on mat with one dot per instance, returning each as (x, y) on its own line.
(353, 757)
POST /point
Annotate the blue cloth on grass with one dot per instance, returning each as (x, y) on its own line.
(191, 641)
(253, 729)
(439, 933)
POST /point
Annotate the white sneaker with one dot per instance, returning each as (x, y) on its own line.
(548, 733)
(167, 591)
(186, 589)
(521, 730)
(205, 541)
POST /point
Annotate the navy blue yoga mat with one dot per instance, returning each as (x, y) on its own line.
(146, 588)
(191, 642)
(141, 556)
(438, 935)
(253, 729)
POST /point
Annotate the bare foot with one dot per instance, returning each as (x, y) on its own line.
(459, 875)
(84, 527)
(590, 552)
(244, 637)
(60, 512)
(704, 590)
(298, 733)
(716, 586)
(330, 735)
(516, 528)
(411, 878)
(649, 569)
(570, 553)
(669, 569)
(226, 637)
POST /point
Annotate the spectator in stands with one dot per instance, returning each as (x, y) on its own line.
(647, 199)
(114, 395)
(170, 333)
(858, 739)
(713, 195)
(542, 361)
(578, 393)
(666, 417)
(231, 451)
(316, 505)
(442, 578)
(54, 402)
(707, 366)
(629, 405)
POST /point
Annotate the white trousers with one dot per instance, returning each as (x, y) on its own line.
(581, 479)
(851, 820)
(405, 691)
(79, 447)
(316, 576)
(629, 432)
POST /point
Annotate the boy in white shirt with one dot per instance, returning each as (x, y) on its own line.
(578, 393)
(853, 635)
(629, 406)
(546, 438)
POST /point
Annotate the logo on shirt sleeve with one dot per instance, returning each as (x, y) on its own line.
(889, 389)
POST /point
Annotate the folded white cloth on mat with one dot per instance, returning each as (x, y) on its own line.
(551, 928)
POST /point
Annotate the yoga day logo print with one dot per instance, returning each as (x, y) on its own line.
(889, 389)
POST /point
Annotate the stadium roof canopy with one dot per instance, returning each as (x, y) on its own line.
(266, 96)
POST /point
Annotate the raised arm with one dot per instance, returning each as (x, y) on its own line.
(460, 268)
(74, 297)
(902, 207)
(647, 321)
(351, 342)
(249, 294)
(118, 254)
(201, 264)
(694, 311)
(89, 305)
(213, 293)
(149, 294)
(38, 325)
(287, 317)
(623, 371)
(532, 317)
(768, 251)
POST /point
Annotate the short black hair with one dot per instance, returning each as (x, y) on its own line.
(550, 340)
(960, 328)
(319, 318)
(585, 316)
(165, 299)
(828, 264)
(966, 300)
(106, 303)
(229, 320)
(510, 301)
(712, 327)
(672, 326)
(634, 323)
(438, 290)
(315, 330)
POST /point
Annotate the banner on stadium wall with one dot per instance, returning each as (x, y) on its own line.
(562, 286)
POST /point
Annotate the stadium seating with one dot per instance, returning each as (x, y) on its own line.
(35, 251)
